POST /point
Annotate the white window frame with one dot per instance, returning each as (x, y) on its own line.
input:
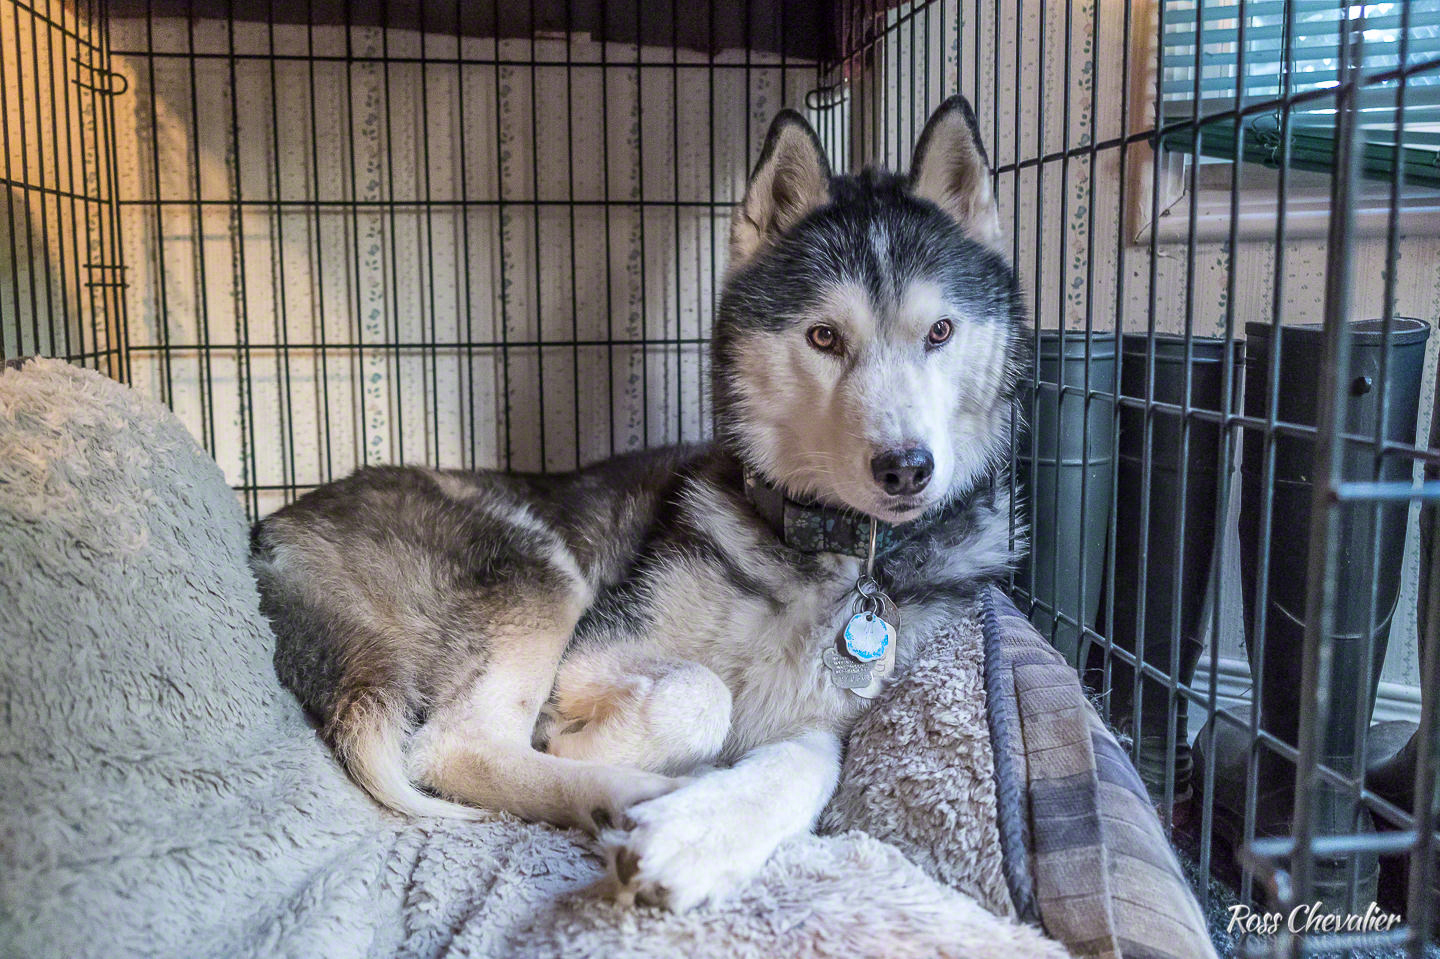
(1307, 208)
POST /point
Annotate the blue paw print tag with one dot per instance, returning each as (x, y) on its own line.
(867, 636)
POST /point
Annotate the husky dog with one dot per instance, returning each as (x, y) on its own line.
(650, 648)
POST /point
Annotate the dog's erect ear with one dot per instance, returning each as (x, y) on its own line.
(791, 179)
(951, 170)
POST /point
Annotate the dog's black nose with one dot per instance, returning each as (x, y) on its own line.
(903, 472)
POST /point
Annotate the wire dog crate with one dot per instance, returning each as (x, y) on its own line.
(331, 234)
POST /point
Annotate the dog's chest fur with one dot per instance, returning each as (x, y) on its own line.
(693, 574)
(764, 638)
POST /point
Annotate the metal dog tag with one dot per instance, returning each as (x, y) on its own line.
(846, 672)
(864, 654)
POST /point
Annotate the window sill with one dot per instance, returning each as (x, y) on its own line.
(1307, 215)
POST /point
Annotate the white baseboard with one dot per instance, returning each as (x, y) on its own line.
(1393, 701)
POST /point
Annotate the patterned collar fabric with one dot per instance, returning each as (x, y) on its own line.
(816, 528)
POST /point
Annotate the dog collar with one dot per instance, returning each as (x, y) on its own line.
(812, 527)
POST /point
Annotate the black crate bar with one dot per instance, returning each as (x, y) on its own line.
(62, 276)
(1227, 452)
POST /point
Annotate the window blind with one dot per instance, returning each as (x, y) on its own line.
(1291, 54)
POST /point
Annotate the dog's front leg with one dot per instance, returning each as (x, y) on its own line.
(713, 834)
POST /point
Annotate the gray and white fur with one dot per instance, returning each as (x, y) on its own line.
(629, 648)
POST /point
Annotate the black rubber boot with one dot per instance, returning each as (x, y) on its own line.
(1390, 771)
(1067, 543)
(1361, 526)
(1178, 524)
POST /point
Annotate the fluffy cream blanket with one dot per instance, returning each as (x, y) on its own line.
(162, 795)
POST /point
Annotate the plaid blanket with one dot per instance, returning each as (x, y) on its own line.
(1085, 854)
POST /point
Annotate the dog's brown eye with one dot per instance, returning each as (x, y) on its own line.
(940, 331)
(824, 338)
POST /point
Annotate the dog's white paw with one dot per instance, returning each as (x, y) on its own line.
(684, 848)
(626, 789)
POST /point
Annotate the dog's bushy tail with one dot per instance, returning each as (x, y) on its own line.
(368, 734)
